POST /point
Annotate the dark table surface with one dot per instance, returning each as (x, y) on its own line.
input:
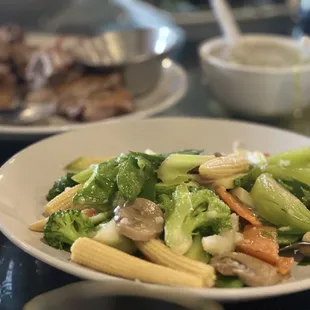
(22, 277)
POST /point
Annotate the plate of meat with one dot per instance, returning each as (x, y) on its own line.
(45, 71)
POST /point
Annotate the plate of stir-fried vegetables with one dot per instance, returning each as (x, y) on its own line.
(175, 204)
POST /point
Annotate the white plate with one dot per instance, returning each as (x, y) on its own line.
(25, 179)
(171, 87)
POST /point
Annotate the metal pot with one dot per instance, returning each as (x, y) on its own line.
(137, 52)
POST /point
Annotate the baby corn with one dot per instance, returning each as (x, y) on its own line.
(38, 225)
(225, 166)
(63, 201)
(98, 256)
(160, 254)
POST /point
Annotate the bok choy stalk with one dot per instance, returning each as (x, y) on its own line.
(176, 167)
(294, 158)
(278, 206)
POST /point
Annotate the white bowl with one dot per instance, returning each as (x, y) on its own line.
(26, 178)
(255, 91)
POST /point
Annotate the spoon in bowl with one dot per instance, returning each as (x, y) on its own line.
(226, 20)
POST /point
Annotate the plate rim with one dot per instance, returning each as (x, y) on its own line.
(173, 99)
(213, 293)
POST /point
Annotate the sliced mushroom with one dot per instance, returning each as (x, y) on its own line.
(305, 250)
(252, 271)
(139, 220)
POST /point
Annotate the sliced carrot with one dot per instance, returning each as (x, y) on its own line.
(261, 242)
(285, 264)
(237, 206)
(90, 212)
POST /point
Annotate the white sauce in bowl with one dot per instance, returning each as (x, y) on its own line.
(262, 54)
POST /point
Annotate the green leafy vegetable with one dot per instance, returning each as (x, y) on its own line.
(149, 188)
(187, 211)
(245, 181)
(155, 160)
(60, 185)
(298, 189)
(100, 186)
(228, 282)
(304, 262)
(287, 240)
(278, 206)
(130, 179)
(288, 231)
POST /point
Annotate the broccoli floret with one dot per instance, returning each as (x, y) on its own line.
(60, 185)
(168, 189)
(186, 212)
(64, 227)
(196, 251)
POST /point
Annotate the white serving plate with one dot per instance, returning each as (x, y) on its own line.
(171, 87)
(26, 177)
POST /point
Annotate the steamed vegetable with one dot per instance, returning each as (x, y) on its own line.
(107, 233)
(100, 186)
(196, 251)
(129, 175)
(84, 175)
(243, 196)
(237, 206)
(246, 181)
(157, 159)
(225, 241)
(291, 166)
(261, 242)
(287, 240)
(299, 175)
(228, 282)
(60, 185)
(228, 182)
(187, 211)
(298, 189)
(278, 206)
(250, 270)
(83, 163)
(176, 168)
(294, 158)
(64, 227)
(225, 166)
